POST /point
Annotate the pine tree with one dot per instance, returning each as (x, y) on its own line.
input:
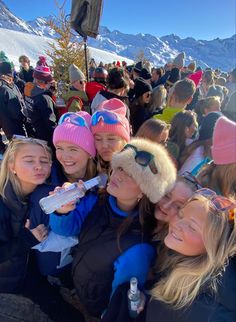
(66, 49)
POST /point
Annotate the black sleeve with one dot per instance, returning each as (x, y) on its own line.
(117, 310)
(14, 245)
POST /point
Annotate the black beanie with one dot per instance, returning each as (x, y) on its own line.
(145, 74)
(208, 124)
(6, 69)
(138, 67)
(141, 87)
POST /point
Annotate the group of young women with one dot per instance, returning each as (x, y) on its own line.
(166, 231)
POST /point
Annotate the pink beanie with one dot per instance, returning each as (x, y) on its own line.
(196, 77)
(42, 71)
(75, 128)
(224, 141)
(110, 118)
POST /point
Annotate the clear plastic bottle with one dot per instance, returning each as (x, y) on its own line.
(72, 192)
(134, 297)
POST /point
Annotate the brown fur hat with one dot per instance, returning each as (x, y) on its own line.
(154, 186)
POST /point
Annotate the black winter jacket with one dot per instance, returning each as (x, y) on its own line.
(11, 105)
(206, 308)
(40, 113)
(26, 75)
(15, 242)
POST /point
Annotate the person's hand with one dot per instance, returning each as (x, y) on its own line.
(70, 205)
(40, 232)
(141, 303)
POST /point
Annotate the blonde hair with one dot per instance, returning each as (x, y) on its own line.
(158, 98)
(6, 175)
(219, 178)
(187, 275)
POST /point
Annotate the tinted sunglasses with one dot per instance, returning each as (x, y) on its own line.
(143, 158)
(107, 117)
(220, 203)
(189, 177)
(16, 137)
(73, 118)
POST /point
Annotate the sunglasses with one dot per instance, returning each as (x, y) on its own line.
(143, 158)
(190, 178)
(16, 137)
(73, 118)
(107, 117)
(220, 203)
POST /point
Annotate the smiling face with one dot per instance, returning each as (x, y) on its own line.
(73, 159)
(185, 234)
(106, 144)
(168, 207)
(123, 187)
(32, 166)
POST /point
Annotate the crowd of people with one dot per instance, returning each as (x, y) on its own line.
(166, 138)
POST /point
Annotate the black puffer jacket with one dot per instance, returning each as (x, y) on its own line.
(15, 242)
(11, 105)
(40, 112)
(206, 308)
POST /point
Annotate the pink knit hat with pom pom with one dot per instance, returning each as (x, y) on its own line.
(42, 71)
(110, 118)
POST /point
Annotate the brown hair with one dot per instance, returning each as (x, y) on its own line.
(151, 129)
(179, 122)
(183, 90)
(146, 219)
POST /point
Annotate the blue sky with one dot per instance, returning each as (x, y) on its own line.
(201, 19)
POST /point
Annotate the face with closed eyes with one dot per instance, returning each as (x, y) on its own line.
(32, 166)
(185, 234)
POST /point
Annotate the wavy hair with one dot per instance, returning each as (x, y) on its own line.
(186, 276)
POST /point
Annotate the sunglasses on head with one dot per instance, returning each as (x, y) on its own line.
(220, 203)
(107, 117)
(143, 158)
(73, 118)
(190, 178)
(16, 137)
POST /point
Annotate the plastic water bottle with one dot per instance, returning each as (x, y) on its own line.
(134, 298)
(72, 192)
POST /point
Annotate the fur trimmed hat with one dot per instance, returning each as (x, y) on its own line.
(153, 185)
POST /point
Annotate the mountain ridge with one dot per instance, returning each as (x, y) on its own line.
(216, 53)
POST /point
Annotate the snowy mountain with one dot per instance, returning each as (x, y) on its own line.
(217, 53)
(15, 43)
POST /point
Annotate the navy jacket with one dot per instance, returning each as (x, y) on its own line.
(15, 242)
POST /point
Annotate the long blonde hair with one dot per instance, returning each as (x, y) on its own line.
(221, 178)
(9, 157)
(185, 276)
